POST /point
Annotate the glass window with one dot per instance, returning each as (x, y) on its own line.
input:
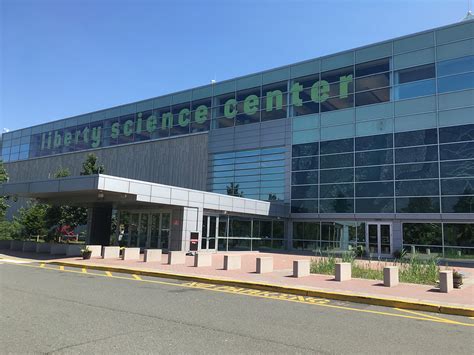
(458, 204)
(306, 108)
(337, 103)
(307, 163)
(375, 173)
(274, 101)
(304, 177)
(305, 149)
(372, 97)
(337, 146)
(417, 188)
(372, 67)
(418, 205)
(337, 161)
(416, 171)
(422, 233)
(380, 141)
(413, 138)
(337, 175)
(457, 187)
(459, 168)
(304, 206)
(455, 66)
(308, 191)
(372, 82)
(415, 73)
(337, 190)
(456, 82)
(335, 75)
(376, 157)
(374, 189)
(339, 205)
(415, 89)
(457, 151)
(456, 133)
(374, 205)
(416, 154)
(459, 234)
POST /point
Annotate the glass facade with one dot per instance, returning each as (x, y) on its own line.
(384, 131)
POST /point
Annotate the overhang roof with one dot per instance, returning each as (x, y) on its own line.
(103, 189)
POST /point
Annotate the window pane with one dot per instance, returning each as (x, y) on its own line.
(339, 205)
(458, 204)
(337, 103)
(417, 154)
(337, 190)
(415, 89)
(376, 173)
(418, 205)
(459, 234)
(416, 171)
(337, 175)
(455, 66)
(337, 160)
(456, 82)
(457, 187)
(422, 137)
(337, 146)
(458, 168)
(374, 189)
(372, 82)
(375, 66)
(372, 97)
(374, 205)
(304, 177)
(422, 233)
(377, 157)
(417, 188)
(308, 163)
(414, 74)
(304, 206)
(374, 142)
(456, 134)
(310, 191)
(456, 151)
(305, 149)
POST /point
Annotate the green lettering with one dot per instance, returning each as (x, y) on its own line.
(43, 141)
(57, 140)
(76, 136)
(128, 128)
(251, 104)
(151, 124)
(95, 135)
(67, 138)
(139, 123)
(278, 96)
(183, 117)
(295, 90)
(167, 120)
(115, 130)
(320, 91)
(230, 108)
(200, 116)
(344, 82)
(85, 135)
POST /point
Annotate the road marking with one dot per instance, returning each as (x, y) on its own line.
(268, 295)
(84, 270)
(61, 267)
(136, 277)
(428, 316)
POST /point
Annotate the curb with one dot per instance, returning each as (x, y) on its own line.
(375, 301)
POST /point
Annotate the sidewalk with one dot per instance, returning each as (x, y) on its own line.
(282, 279)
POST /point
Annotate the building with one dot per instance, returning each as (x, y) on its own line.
(372, 146)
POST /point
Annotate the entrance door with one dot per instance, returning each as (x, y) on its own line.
(209, 232)
(379, 238)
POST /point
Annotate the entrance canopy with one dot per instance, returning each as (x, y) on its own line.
(100, 190)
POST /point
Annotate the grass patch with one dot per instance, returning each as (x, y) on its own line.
(413, 270)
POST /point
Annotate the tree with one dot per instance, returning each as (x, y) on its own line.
(233, 190)
(32, 219)
(62, 172)
(91, 166)
(3, 199)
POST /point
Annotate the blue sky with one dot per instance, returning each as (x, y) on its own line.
(61, 58)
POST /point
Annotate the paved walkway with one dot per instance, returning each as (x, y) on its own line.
(282, 276)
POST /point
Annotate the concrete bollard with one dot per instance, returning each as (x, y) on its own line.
(202, 259)
(16, 245)
(232, 262)
(43, 248)
(96, 250)
(176, 257)
(413, 249)
(74, 249)
(58, 249)
(390, 276)
(343, 271)
(301, 268)
(446, 281)
(152, 255)
(264, 265)
(110, 252)
(131, 254)
(29, 246)
(428, 251)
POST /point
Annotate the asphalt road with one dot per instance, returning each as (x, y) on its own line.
(74, 311)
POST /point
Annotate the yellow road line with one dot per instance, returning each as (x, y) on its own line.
(428, 316)
(84, 270)
(42, 265)
(252, 294)
(136, 277)
(61, 267)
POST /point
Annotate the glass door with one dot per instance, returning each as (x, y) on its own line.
(209, 232)
(379, 239)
